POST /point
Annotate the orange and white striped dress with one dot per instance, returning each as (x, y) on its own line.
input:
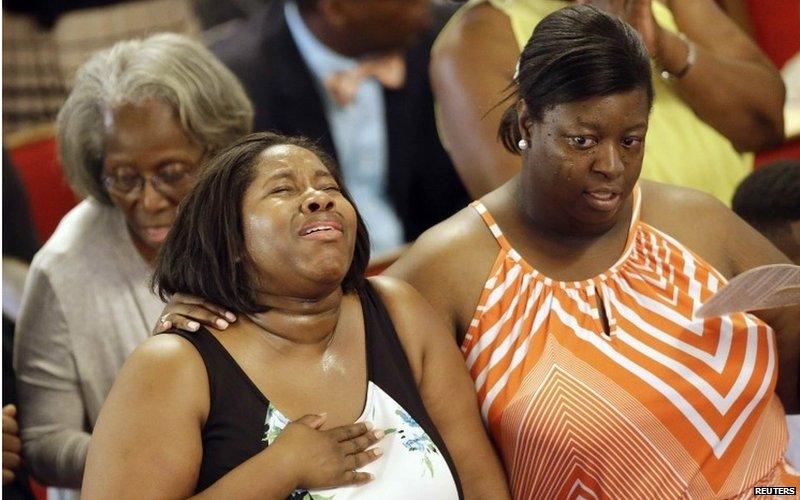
(666, 405)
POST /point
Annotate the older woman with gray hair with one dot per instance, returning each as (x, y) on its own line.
(132, 135)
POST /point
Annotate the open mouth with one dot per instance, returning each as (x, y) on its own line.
(602, 200)
(321, 230)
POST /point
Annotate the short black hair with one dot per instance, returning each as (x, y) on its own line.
(575, 53)
(205, 252)
(770, 195)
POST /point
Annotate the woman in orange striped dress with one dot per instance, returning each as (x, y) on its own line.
(573, 290)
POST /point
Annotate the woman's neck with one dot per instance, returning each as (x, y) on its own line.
(547, 222)
(293, 321)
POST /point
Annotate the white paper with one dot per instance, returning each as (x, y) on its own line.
(762, 287)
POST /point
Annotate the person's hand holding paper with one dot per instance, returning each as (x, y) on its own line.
(763, 287)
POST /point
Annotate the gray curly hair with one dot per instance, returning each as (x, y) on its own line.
(208, 100)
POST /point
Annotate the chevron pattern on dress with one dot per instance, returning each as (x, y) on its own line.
(697, 387)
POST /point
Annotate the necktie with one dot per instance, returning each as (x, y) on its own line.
(389, 70)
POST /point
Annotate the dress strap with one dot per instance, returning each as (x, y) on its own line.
(234, 429)
(637, 205)
(389, 369)
(225, 374)
(492, 225)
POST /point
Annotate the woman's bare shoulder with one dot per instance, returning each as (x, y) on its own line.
(668, 205)
(696, 219)
(414, 319)
(396, 294)
(481, 24)
(167, 347)
(165, 357)
(448, 265)
(444, 247)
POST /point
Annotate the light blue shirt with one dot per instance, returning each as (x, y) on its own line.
(359, 135)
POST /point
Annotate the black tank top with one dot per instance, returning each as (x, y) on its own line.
(236, 426)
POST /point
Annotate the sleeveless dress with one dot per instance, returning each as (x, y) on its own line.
(650, 403)
(242, 421)
(681, 149)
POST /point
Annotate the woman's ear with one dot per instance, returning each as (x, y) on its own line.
(523, 120)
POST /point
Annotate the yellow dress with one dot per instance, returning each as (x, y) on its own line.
(681, 148)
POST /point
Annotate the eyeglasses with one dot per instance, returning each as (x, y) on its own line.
(170, 183)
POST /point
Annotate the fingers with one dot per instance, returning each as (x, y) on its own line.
(313, 421)
(11, 444)
(10, 425)
(10, 410)
(352, 477)
(347, 432)
(8, 477)
(358, 460)
(190, 315)
(162, 325)
(178, 319)
(340, 451)
(187, 312)
(220, 311)
(361, 443)
(11, 461)
(189, 318)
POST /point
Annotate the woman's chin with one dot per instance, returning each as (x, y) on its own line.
(327, 266)
(155, 236)
(327, 272)
(147, 243)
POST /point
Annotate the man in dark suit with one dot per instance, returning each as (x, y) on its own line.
(378, 125)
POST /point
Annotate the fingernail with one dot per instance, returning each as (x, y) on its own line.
(222, 323)
(379, 434)
(377, 452)
(368, 425)
(166, 325)
(230, 316)
(193, 325)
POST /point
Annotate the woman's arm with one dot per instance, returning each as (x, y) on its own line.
(446, 388)
(748, 249)
(474, 59)
(732, 85)
(147, 441)
(705, 225)
(729, 73)
(52, 415)
(472, 65)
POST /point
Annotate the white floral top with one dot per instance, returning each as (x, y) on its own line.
(411, 466)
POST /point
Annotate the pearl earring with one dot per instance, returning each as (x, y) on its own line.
(523, 144)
